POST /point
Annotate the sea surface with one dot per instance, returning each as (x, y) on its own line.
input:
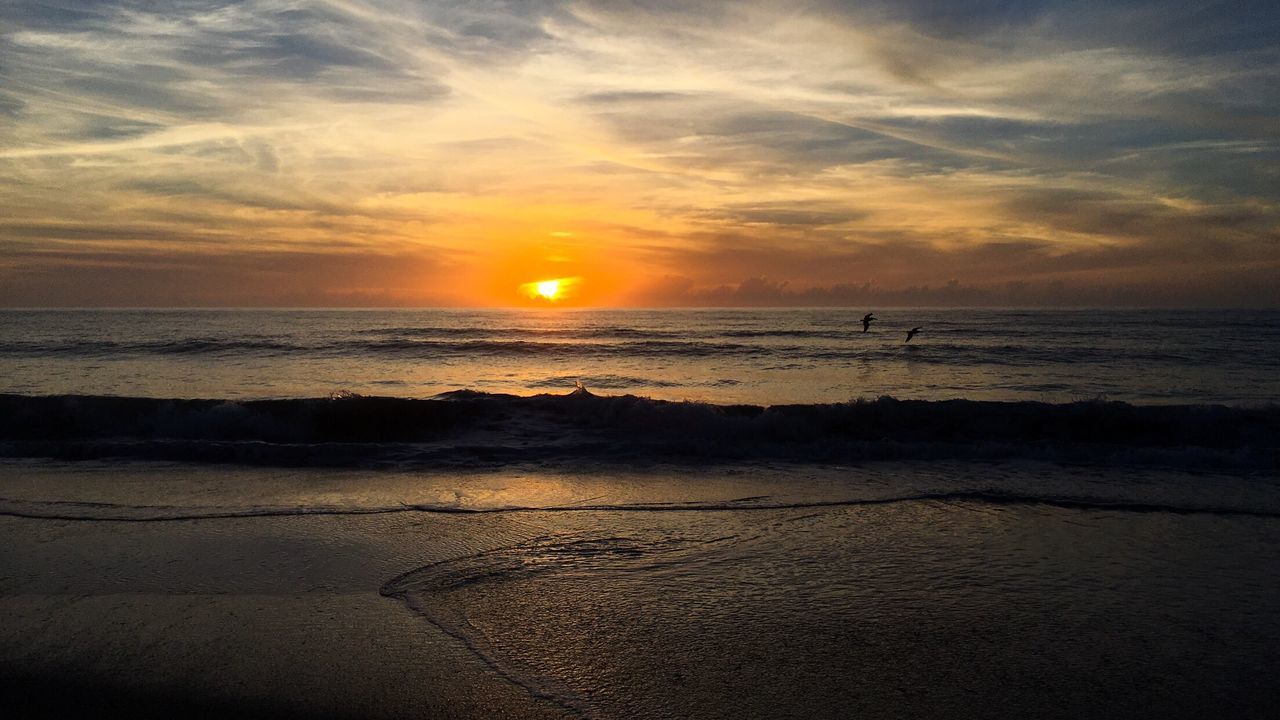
(641, 514)
(763, 357)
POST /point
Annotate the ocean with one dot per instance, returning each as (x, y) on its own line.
(640, 513)
(764, 357)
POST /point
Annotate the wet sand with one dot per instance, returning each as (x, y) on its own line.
(923, 608)
(226, 618)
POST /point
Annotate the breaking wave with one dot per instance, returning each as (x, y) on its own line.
(471, 428)
(76, 511)
(613, 343)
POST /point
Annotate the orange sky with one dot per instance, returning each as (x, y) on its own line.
(387, 152)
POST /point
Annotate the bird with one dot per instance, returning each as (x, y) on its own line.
(867, 320)
(912, 333)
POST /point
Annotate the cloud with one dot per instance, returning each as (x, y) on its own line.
(822, 145)
(1249, 289)
(252, 279)
(1190, 29)
(1164, 230)
(790, 214)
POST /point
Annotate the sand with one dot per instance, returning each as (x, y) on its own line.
(228, 617)
(925, 608)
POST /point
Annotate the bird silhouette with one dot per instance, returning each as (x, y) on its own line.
(867, 320)
(912, 333)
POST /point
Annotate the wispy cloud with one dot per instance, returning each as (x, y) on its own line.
(818, 144)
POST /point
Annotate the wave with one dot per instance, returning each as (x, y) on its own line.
(826, 334)
(608, 382)
(811, 346)
(484, 332)
(467, 428)
(406, 347)
(189, 346)
(474, 348)
(75, 511)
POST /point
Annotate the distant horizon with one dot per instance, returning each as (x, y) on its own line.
(637, 308)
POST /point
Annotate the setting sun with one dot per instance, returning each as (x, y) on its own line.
(553, 290)
(548, 289)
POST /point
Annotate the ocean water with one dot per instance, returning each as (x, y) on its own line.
(763, 357)
(1018, 514)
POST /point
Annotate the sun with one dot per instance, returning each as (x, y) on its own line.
(549, 289)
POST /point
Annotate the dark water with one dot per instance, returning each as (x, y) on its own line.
(1055, 514)
(719, 356)
(466, 429)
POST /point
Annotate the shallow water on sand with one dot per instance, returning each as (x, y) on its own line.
(710, 592)
(923, 609)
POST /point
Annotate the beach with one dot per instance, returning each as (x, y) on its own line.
(634, 360)
(237, 513)
(316, 598)
(217, 625)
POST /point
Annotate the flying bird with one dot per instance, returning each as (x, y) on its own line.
(867, 320)
(912, 333)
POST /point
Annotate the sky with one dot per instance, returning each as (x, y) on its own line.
(667, 153)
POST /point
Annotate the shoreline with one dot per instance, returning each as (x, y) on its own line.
(927, 606)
